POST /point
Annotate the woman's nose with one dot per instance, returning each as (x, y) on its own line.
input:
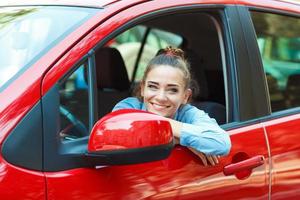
(161, 95)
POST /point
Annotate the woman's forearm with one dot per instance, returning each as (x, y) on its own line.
(210, 140)
(176, 127)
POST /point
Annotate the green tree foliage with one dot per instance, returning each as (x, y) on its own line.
(9, 15)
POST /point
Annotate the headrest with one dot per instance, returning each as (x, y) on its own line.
(111, 70)
(198, 73)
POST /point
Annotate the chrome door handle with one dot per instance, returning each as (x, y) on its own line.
(244, 165)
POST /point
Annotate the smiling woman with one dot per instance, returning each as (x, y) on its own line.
(26, 33)
(165, 90)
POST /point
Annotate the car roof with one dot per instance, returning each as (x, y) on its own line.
(84, 3)
(102, 3)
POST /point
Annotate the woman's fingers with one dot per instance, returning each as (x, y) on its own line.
(216, 159)
(200, 155)
(203, 158)
(211, 159)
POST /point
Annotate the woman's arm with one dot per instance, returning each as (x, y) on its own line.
(201, 132)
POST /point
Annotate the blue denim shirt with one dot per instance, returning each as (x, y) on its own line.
(199, 131)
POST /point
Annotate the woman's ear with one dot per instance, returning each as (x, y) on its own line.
(187, 95)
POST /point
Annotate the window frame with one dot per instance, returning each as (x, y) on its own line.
(59, 154)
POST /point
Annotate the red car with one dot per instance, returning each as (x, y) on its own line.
(64, 64)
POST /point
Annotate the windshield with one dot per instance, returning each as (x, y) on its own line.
(26, 33)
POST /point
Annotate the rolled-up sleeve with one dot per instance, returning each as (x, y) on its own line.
(204, 134)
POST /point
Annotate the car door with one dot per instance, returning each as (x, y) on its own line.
(244, 173)
(281, 65)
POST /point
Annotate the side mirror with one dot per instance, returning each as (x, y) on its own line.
(128, 137)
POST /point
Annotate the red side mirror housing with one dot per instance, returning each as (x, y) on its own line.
(130, 136)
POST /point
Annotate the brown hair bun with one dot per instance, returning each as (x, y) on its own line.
(172, 51)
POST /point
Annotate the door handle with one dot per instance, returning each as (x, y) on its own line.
(247, 164)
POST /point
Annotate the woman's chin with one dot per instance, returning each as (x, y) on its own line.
(160, 113)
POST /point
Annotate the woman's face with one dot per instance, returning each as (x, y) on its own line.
(164, 90)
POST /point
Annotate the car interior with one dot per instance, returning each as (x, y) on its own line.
(202, 50)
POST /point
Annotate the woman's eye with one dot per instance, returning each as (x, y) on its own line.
(173, 90)
(152, 87)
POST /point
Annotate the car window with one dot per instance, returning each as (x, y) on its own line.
(27, 32)
(130, 42)
(278, 39)
(74, 107)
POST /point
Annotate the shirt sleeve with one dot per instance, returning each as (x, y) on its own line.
(204, 134)
(130, 102)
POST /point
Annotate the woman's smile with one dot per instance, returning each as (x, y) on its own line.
(159, 106)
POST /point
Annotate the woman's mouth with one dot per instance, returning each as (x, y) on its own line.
(159, 106)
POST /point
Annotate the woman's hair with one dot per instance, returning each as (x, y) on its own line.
(173, 57)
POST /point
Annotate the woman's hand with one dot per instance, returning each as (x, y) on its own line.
(206, 159)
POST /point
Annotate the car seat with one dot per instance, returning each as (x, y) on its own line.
(112, 79)
(202, 99)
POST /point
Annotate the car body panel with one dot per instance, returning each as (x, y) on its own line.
(15, 182)
(284, 138)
